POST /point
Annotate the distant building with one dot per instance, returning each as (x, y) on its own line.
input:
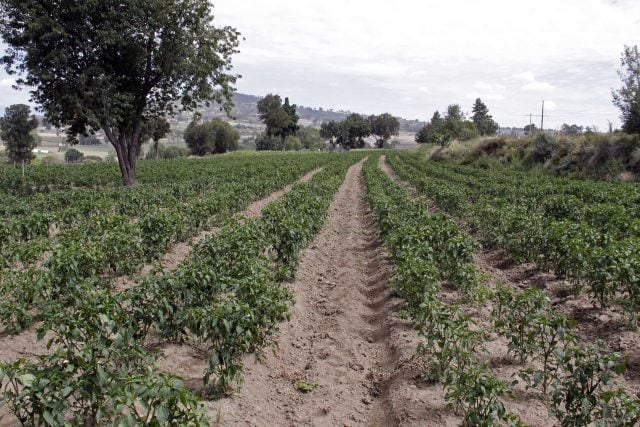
(515, 132)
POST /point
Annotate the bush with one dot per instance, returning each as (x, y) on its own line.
(292, 143)
(73, 156)
(542, 149)
(173, 152)
(266, 142)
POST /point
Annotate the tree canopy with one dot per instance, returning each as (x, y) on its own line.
(280, 119)
(111, 64)
(383, 127)
(434, 132)
(627, 98)
(211, 137)
(482, 119)
(16, 130)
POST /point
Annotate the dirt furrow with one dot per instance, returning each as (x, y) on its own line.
(334, 359)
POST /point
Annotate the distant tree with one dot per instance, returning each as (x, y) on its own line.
(627, 98)
(290, 109)
(456, 126)
(111, 64)
(269, 142)
(89, 139)
(292, 143)
(353, 130)
(530, 129)
(155, 128)
(73, 156)
(329, 131)
(434, 132)
(311, 138)
(211, 137)
(383, 127)
(571, 129)
(482, 119)
(280, 120)
(16, 130)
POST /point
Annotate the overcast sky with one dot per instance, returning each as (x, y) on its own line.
(411, 57)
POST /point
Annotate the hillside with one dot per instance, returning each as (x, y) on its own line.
(245, 111)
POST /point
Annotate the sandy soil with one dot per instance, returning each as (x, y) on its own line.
(343, 336)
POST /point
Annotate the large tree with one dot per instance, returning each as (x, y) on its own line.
(383, 127)
(16, 130)
(112, 64)
(482, 119)
(280, 119)
(627, 98)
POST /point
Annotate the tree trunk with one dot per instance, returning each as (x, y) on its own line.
(127, 149)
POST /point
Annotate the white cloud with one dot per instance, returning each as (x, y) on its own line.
(527, 76)
(538, 87)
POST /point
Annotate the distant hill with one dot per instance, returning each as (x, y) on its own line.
(245, 110)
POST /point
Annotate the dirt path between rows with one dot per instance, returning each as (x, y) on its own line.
(342, 342)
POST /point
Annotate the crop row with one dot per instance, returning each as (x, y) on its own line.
(108, 243)
(605, 263)
(47, 178)
(428, 249)
(226, 297)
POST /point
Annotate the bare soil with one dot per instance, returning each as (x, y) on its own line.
(344, 340)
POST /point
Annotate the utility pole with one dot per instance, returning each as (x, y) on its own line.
(542, 118)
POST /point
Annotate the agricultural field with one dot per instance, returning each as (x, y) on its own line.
(365, 288)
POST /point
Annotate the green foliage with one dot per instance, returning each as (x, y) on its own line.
(434, 132)
(627, 98)
(575, 395)
(305, 386)
(280, 119)
(482, 120)
(383, 127)
(349, 133)
(211, 137)
(130, 60)
(155, 128)
(514, 315)
(311, 139)
(272, 143)
(73, 156)
(16, 131)
(292, 143)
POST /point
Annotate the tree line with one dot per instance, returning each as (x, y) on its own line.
(442, 129)
(282, 131)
